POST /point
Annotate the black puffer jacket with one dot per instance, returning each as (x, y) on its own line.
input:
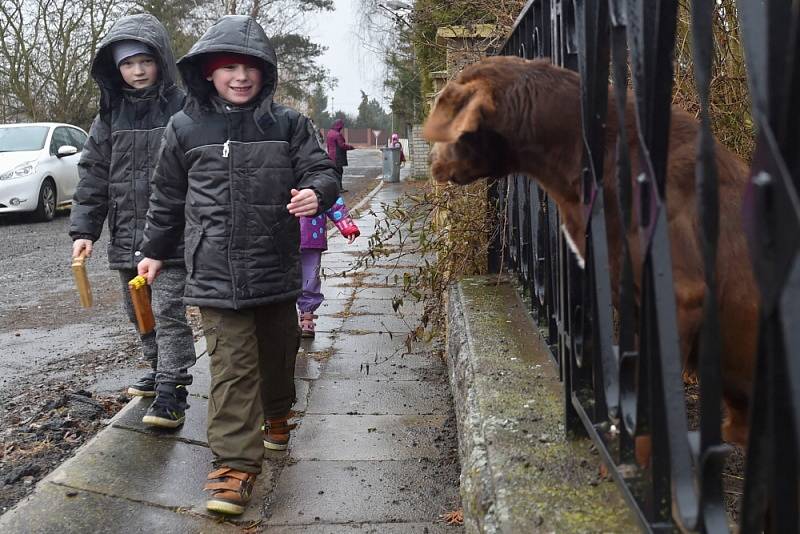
(118, 158)
(226, 173)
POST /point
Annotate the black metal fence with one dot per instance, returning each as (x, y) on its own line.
(623, 380)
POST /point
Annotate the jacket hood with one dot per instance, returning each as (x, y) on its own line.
(146, 29)
(338, 124)
(239, 34)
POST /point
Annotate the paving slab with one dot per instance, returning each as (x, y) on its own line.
(193, 429)
(336, 291)
(328, 323)
(301, 388)
(409, 306)
(377, 397)
(338, 269)
(331, 306)
(384, 278)
(339, 281)
(341, 269)
(379, 275)
(368, 528)
(201, 378)
(368, 437)
(384, 344)
(306, 367)
(61, 510)
(379, 324)
(168, 473)
(400, 367)
(377, 292)
(385, 492)
(115, 381)
(321, 342)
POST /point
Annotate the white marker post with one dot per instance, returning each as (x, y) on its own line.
(376, 133)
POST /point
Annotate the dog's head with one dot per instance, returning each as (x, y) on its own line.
(469, 124)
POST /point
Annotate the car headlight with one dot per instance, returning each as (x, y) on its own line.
(20, 171)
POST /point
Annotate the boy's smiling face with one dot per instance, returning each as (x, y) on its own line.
(139, 71)
(237, 83)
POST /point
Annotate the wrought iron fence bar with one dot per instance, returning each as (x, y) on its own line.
(623, 483)
(773, 228)
(712, 453)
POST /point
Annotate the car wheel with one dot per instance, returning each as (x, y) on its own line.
(46, 209)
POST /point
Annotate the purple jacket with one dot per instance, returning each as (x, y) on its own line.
(313, 234)
(337, 147)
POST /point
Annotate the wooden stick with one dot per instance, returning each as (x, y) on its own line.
(140, 297)
(82, 279)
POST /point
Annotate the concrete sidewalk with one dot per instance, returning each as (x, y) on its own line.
(374, 450)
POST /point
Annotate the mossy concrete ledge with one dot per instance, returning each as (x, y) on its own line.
(519, 473)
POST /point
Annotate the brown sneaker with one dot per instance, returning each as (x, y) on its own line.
(276, 432)
(230, 490)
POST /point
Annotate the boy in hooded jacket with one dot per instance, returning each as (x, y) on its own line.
(135, 70)
(238, 170)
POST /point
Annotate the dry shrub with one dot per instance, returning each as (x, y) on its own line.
(730, 99)
(443, 231)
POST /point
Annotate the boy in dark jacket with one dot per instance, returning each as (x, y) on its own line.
(238, 170)
(135, 69)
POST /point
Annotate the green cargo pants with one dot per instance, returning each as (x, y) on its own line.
(252, 353)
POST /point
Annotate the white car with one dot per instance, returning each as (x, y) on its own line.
(38, 167)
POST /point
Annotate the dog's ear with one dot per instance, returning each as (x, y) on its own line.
(459, 109)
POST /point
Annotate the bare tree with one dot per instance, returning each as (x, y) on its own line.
(46, 47)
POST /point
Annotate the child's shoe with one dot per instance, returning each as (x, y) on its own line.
(168, 410)
(307, 324)
(276, 432)
(230, 490)
(145, 386)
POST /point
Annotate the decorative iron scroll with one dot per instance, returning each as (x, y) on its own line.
(622, 376)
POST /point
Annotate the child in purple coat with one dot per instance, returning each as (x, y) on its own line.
(313, 241)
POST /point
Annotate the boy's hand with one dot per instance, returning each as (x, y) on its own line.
(149, 268)
(351, 238)
(79, 245)
(304, 203)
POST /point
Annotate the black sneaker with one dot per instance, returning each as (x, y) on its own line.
(167, 411)
(145, 386)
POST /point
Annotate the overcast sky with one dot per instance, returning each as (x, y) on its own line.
(346, 58)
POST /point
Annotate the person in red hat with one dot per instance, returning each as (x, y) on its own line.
(236, 172)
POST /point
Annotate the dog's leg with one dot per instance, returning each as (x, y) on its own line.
(689, 303)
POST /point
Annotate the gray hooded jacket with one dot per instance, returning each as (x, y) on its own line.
(118, 159)
(226, 173)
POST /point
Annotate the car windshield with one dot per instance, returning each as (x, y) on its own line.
(22, 138)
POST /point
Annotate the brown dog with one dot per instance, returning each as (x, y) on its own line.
(508, 115)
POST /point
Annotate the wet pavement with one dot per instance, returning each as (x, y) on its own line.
(374, 451)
